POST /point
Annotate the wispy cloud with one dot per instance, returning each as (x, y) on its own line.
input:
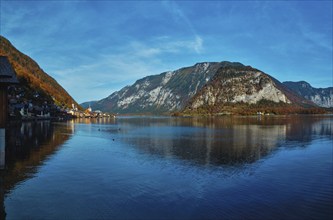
(169, 45)
(95, 48)
(106, 74)
(195, 45)
(111, 71)
(198, 44)
(316, 39)
(179, 16)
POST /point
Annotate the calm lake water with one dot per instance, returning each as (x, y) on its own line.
(170, 168)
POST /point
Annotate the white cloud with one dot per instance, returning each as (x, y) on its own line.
(108, 73)
(198, 47)
(111, 71)
(93, 51)
(162, 45)
(195, 45)
(180, 16)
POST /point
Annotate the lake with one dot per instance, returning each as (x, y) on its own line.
(275, 167)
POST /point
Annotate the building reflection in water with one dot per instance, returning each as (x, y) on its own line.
(95, 120)
(2, 148)
(27, 146)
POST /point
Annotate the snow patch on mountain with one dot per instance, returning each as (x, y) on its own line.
(167, 77)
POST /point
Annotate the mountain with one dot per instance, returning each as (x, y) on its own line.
(244, 90)
(166, 92)
(35, 85)
(321, 96)
(86, 105)
(205, 87)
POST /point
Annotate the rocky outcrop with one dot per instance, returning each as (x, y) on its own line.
(239, 85)
(321, 96)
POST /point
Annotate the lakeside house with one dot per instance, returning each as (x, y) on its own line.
(88, 113)
(7, 77)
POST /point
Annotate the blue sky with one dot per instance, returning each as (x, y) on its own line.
(93, 48)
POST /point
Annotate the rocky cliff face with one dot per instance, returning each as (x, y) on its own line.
(238, 85)
(166, 92)
(321, 97)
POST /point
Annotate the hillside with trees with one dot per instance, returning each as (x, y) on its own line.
(35, 86)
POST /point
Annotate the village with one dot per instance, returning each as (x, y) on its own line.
(19, 102)
(29, 110)
(88, 113)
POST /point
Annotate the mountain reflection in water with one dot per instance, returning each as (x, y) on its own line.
(219, 140)
(128, 162)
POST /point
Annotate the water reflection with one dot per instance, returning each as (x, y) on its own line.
(94, 120)
(28, 145)
(2, 147)
(144, 164)
(221, 140)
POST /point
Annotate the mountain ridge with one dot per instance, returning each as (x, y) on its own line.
(321, 96)
(173, 91)
(165, 92)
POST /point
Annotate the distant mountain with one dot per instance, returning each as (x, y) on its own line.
(86, 105)
(321, 96)
(37, 85)
(166, 92)
(206, 87)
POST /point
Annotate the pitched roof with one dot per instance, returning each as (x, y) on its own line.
(7, 73)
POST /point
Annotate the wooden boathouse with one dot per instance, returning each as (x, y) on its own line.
(7, 77)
